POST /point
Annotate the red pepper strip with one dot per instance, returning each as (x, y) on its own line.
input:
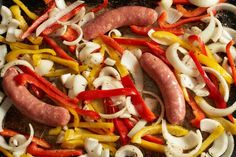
(65, 18)
(34, 150)
(70, 35)
(48, 1)
(214, 93)
(198, 113)
(38, 141)
(100, 7)
(183, 21)
(118, 123)
(181, 2)
(193, 38)
(23, 79)
(37, 91)
(144, 30)
(190, 13)
(38, 21)
(231, 60)
(98, 94)
(48, 85)
(60, 52)
(112, 43)
(138, 101)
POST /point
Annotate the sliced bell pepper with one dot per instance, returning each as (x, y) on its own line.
(60, 52)
(202, 46)
(18, 45)
(70, 35)
(152, 146)
(98, 94)
(181, 2)
(30, 14)
(100, 7)
(76, 118)
(5, 152)
(72, 144)
(68, 63)
(55, 131)
(96, 125)
(38, 21)
(229, 126)
(59, 72)
(37, 151)
(93, 74)
(231, 60)
(112, 43)
(210, 139)
(38, 141)
(214, 93)
(138, 101)
(37, 91)
(190, 13)
(35, 40)
(12, 55)
(15, 9)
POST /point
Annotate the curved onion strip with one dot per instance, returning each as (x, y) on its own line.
(161, 104)
(207, 33)
(114, 32)
(114, 115)
(222, 81)
(59, 32)
(219, 47)
(75, 19)
(229, 151)
(5, 106)
(109, 61)
(204, 3)
(166, 4)
(173, 15)
(208, 125)
(87, 49)
(6, 15)
(132, 64)
(16, 140)
(231, 31)
(44, 67)
(163, 41)
(87, 17)
(10, 37)
(186, 142)
(226, 66)
(79, 84)
(136, 128)
(4, 145)
(130, 107)
(101, 80)
(76, 41)
(61, 4)
(218, 31)
(53, 19)
(223, 6)
(210, 110)
(110, 71)
(173, 58)
(3, 52)
(128, 150)
(13, 63)
(177, 153)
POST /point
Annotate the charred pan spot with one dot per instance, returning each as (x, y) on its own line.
(227, 18)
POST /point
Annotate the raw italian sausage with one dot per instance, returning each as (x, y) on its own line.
(169, 87)
(32, 107)
(123, 16)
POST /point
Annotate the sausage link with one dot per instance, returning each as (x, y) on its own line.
(123, 16)
(168, 85)
(32, 107)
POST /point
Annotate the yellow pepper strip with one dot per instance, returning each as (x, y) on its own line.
(12, 55)
(110, 147)
(152, 146)
(122, 70)
(30, 14)
(83, 67)
(70, 64)
(54, 131)
(210, 63)
(210, 139)
(35, 40)
(26, 155)
(157, 129)
(93, 74)
(206, 60)
(5, 152)
(18, 45)
(98, 105)
(15, 9)
(72, 144)
(96, 125)
(76, 122)
(229, 126)
(58, 72)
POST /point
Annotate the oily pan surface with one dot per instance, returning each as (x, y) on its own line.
(16, 121)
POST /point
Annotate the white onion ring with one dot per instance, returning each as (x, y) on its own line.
(75, 19)
(116, 32)
(87, 17)
(128, 150)
(14, 63)
(114, 115)
(229, 151)
(140, 124)
(110, 71)
(207, 33)
(218, 31)
(79, 38)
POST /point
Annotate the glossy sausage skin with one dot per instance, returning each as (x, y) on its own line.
(123, 16)
(168, 85)
(32, 107)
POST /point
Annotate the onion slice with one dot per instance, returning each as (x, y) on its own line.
(75, 19)
(229, 151)
(14, 63)
(222, 6)
(204, 3)
(114, 32)
(137, 127)
(44, 67)
(61, 4)
(207, 33)
(114, 115)
(76, 41)
(87, 17)
(3, 52)
(5, 106)
(110, 71)
(6, 15)
(218, 31)
(173, 15)
(132, 64)
(128, 150)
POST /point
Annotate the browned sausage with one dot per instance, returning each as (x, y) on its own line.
(169, 87)
(30, 106)
(123, 16)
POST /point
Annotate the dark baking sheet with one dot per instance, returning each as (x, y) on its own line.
(15, 120)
